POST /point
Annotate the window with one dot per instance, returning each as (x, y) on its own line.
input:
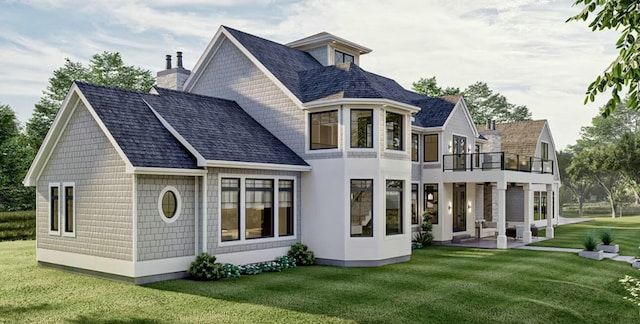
(476, 159)
(431, 202)
(324, 130)
(54, 208)
(394, 207)
(361, 128)
(431, 148)
(394, 131)
(415, 217)
(69, 208)
(258, 208)
(169, 204)
(285, 207)
(361, 208)
(536, 205)
(414, 147)
(230, 202)
(543, 205)
(342, 57)
(544, 148)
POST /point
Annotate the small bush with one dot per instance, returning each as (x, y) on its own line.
(205, 268)
(286, 262)
(299, 252)
(590, 243)
(231, 270)
(424, 238)
(250, 269)
(606, 236)
(416, 245)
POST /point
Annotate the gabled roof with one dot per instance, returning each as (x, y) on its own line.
(433, 113)
(519, 137)
(324, 38)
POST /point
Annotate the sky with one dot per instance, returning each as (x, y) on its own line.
(520, 48)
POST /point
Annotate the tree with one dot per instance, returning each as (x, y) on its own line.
(575, 183)
(483, 103)
(624, 70)
(106, 69)
(8, 123)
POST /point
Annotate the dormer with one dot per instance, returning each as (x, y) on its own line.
(329, 49)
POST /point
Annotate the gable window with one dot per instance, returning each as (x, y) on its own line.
(394, 131)
(431, 148)
(415, 218)
(431, 202)
(324, 130)
(69, 208)
(258, 208)
(342, 57)
(362, 208)
(230, 203)
(285, 207)
(54, 209)
(361, 128)
(414, 147)
(394, 207)
(544, 148)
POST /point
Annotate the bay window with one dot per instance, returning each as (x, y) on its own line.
(361, 128)
(323, 130)
(394, 131)
(394, 207)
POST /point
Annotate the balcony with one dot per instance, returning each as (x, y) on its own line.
(496, 161)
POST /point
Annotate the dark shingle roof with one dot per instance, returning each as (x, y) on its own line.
(309, 80)
(138, 132)
(218, 129)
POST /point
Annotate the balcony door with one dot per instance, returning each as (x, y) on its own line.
(459, 207)
(459, 152)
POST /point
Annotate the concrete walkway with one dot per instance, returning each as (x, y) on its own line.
(612, 256)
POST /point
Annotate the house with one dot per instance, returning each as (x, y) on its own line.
(263, 145)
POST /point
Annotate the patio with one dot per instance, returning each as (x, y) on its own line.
(491, 243)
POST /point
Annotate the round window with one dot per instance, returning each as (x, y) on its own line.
(169, 204)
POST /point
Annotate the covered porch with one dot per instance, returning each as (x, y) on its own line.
(491, 243)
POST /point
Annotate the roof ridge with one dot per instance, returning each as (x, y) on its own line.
(110, 87)
(191, 94)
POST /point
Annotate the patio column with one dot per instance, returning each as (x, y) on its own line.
(502, 219)
(528, 213)
(549, 229)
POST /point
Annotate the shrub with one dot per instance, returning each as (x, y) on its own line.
(231, 270)
(205, 268)
(426, 224)
(590, 243)
(250, 269)
(416, 245)
(606, 236)
(632, 286)
(424, 238)
(286, 262)
(299, 252)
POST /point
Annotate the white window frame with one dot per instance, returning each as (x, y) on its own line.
(307, 127)
(405, 212)
(63, 214)
(374, 134)
(50, 216)
(406, 131)
(176, 193)
(241, 203)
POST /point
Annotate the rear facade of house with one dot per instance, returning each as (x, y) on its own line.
(263, 145)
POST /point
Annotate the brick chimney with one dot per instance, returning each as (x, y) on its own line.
(173, 78)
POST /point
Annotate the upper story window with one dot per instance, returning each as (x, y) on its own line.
(361, 128)
(431, 148)
(394, 131)
(415, 138)
(342, 57)
(544, 148)
(324, 130)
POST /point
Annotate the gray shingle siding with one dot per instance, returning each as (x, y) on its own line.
(158, 239)
(103, 192)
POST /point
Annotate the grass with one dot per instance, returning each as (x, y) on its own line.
(626, 232)
(439, 285)
(18, 225)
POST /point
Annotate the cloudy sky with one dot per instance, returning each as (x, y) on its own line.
(521, 48)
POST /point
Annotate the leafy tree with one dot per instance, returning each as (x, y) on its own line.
(624, 70)
(483, 103)
(575, 183)
(106, 68)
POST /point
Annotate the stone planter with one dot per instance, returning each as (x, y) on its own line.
(636, 263)
(595, 255)
(609, 248)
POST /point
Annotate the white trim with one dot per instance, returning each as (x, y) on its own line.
(254, 165)
(438, 129)
(196, 198)
(88, 262)
(462, 105)
(241, 204)
(205, 205)
(49, 223)
(176, 215)
(324, 38)
(318, 104)
(207, 55)
(134, 212)
(63, 228)
(252, 256)
(162, 266)
(168, 171)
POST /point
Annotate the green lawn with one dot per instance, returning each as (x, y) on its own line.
(439, 285)
(19, 225)
(626, 231)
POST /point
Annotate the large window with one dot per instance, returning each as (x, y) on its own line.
(69, 208)
(342, 57)
(258, 208)
(544, 148)
(415, 138)
(230, 209)
(361, 128)
(394, 131)
(285, 207)
(536, 205)
(415, 216)
(361, 208)
(431, 148)
(394, 207)
(324, 130)
(54, 208)
(431, 202)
